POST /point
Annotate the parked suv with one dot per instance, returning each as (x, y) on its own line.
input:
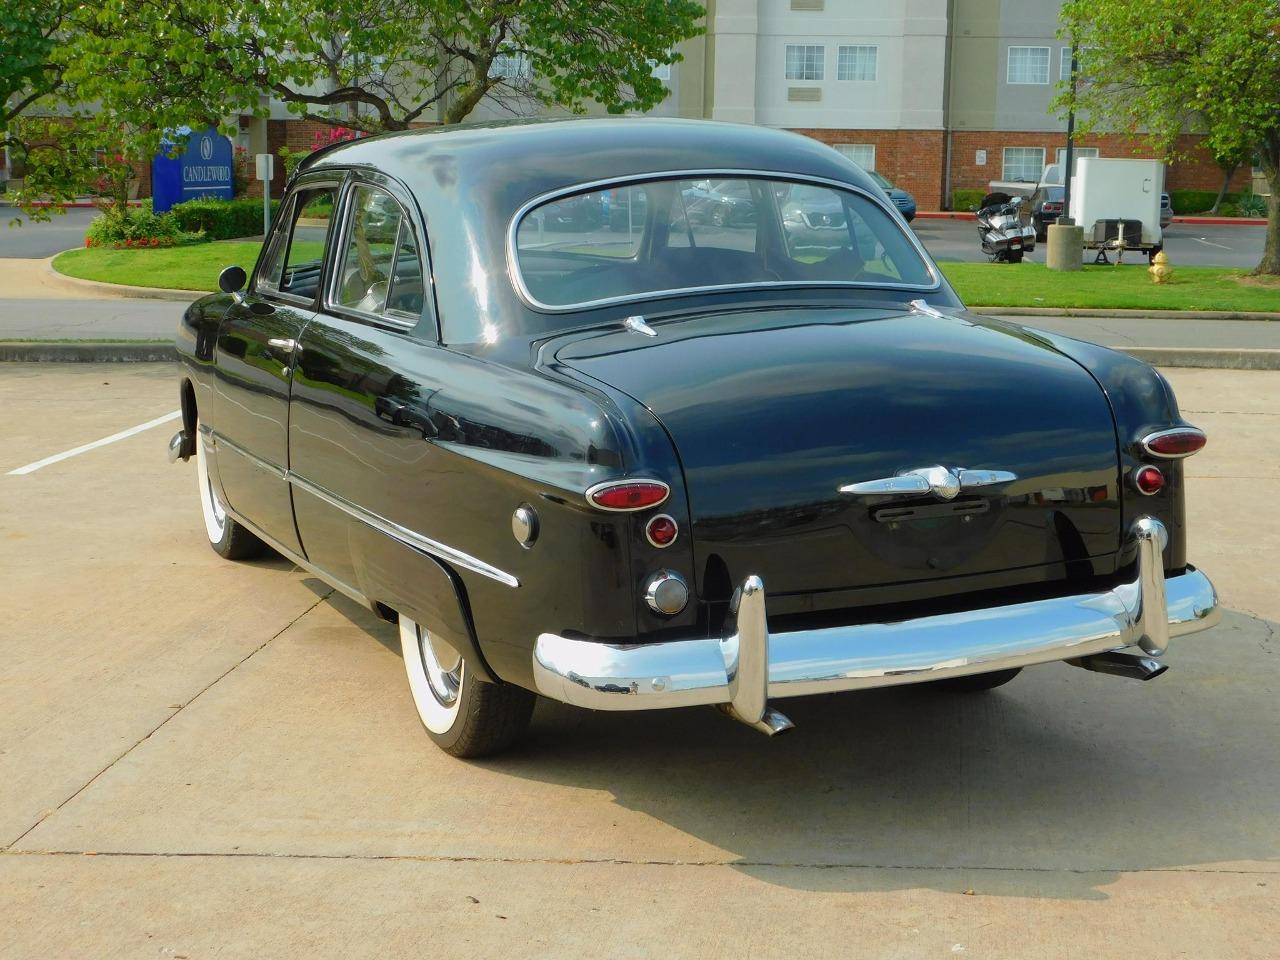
(904, 201)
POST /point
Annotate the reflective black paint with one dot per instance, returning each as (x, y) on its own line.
(753, 405)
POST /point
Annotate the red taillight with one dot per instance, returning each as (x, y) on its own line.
(627, 494)
(1053, 208)
(661, 531)
(1148, 480)
(1171, 444)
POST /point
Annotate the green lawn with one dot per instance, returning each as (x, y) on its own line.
(193, 267)
(196, 267)
(1110, 288)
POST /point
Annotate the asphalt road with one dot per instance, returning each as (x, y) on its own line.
(62, 232)
(1188, 244)
(203, 758)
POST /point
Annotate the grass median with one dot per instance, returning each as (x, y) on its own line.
(1128, 287)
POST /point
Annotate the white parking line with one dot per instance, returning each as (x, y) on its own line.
(32, 467)
(1209, 243)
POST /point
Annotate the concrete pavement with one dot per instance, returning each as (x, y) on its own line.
(202, 758)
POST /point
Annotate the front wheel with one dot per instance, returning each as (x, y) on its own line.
(229, 539)
(465, 717)
(977, 682)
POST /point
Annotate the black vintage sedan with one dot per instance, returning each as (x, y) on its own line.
(680, 461)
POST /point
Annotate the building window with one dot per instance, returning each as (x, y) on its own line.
(1064, 66)
(1061, 157)
(863, 154)
(510, 66)
(1028, 65)
(660, 71)
(857, 63)
(1023, 163)
(804, 61)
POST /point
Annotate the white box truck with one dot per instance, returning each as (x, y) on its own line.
(1117, 202)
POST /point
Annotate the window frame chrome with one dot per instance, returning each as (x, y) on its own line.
(261, 287)
(403, 322)
(894, 215)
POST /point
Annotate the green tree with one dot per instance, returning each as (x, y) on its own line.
(29, 31)
(1185, 64)
(371, 65)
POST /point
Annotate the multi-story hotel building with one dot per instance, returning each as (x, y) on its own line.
(937, 95)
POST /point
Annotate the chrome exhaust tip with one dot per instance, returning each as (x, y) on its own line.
(771, 723)
(1122, 665)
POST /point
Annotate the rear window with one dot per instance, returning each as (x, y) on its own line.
(681, 235)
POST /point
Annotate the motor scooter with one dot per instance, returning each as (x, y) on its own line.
(1004, 238)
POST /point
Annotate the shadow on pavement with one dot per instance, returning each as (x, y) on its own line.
(1068, 777)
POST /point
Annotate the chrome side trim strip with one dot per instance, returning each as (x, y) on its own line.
(406, 536)
(220, 441)
(517, 280)
(748, 664)
(340, 585)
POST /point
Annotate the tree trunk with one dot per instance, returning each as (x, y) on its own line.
(1270, 265)
(1227, 174)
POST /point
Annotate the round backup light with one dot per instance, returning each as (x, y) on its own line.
(627, 495)
(661, 531)
(666, 593)
(1149, 480)
(1175, 443)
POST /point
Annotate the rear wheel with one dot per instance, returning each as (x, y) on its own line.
(465, 717)
(229, 539)
(1015, 256)
(978, 682)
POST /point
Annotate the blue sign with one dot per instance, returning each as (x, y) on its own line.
(202, 170)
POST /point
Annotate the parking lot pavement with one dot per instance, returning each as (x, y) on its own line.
(1187, 244)
(202, 758)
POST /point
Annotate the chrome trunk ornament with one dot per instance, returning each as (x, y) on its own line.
(941, 482)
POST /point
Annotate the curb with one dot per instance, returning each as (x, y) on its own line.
(1225, 221)
(1122, 314)
(1225, 358)
(74, 205)
(89, 352)
(120, 289)
(1215, 358)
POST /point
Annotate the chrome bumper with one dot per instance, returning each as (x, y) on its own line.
(749, 665)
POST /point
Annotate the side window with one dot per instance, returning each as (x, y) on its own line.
(297, 254)
(379, 270)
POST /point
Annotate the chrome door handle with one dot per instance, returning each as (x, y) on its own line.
(282, 343)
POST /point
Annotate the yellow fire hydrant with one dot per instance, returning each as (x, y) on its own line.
(1160, 270)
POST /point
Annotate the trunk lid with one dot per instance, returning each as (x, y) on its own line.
(772, 412)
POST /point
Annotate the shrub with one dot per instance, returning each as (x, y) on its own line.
(223, 219)
(1193, 201)
(135, 227)
(1251, 205)
(966, 199)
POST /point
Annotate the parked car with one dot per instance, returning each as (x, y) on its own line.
(667, 470)
(1166, 210)
(904, 201)
(720, 202)
(1044, 208)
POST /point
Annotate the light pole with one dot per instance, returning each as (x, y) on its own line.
(1066, 240)
(1066, 219)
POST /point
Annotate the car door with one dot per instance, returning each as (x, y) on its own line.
(255, 356)
(367, 363)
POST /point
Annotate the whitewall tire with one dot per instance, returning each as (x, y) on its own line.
(228, 538)
(466, 717)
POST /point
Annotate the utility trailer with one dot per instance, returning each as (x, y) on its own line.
(1117, 202)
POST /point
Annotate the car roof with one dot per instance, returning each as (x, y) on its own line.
(471, 180)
